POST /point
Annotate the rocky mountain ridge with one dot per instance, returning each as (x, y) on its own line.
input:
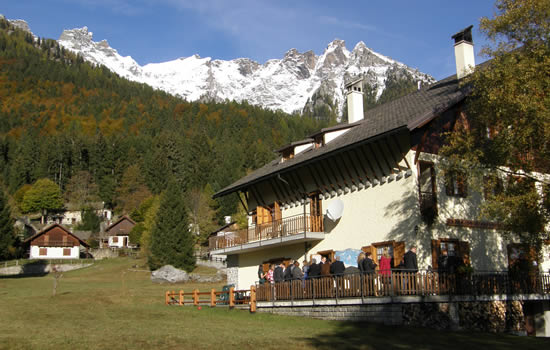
(297, 82)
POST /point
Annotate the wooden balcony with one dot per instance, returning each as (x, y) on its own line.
(289, 230)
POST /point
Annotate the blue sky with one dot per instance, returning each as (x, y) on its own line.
(417, 33)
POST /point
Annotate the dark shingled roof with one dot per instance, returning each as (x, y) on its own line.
(410, 112)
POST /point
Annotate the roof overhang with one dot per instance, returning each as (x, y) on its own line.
(297, 165)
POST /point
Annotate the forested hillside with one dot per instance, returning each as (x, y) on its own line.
(63, 119)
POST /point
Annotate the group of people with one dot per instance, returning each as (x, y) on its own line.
(280, 272)
(365, 265)
(408, 263)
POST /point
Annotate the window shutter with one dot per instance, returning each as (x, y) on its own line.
(398, 252)
(464, 251)
(462, 185)
(277, 210)
(435, 253)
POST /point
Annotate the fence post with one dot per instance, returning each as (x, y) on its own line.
(232, 297)
(167, 298)
(181, 297)
(252, 299)
(195, 297)
(213, 297)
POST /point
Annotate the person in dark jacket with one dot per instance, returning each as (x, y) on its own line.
(278, 274)
(368, 268)
(368, 265)
(288, 271)
(314, 269)
(337, 267)
(411, 268)
(411, 264)
(297, 273)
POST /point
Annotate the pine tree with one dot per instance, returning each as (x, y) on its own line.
(171, 239)
(7, 237)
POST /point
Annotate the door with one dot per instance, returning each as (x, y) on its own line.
(316, 213)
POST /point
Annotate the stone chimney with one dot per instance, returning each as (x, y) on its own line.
(464, 52)
(354, 95)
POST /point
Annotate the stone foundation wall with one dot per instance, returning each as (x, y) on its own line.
(387, 314)
(486, 316)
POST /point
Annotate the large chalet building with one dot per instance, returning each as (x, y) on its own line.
(372, 183)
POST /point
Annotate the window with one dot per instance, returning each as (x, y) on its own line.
(396, 250)
(456, 184)
(427, 191)
(115, 239)
(66, 251)
(316, 212)
(380, 251)
(458, 250)
(43, 251)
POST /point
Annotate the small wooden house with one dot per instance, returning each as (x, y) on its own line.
(55, 242)
(118, 233)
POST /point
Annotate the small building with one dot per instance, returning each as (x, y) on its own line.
(118, 233)
(72, 215)
(55, 242)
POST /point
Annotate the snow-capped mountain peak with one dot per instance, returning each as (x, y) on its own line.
(288, 83)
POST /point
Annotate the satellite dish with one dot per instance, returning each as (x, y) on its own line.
(335, 209)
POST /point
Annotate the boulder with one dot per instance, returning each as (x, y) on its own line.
(169, 274)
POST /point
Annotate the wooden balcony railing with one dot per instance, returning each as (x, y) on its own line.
(404, 283)
(55, 244)
(277, 228)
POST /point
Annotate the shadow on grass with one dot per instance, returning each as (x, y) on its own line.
(32, 269)
(358, 335)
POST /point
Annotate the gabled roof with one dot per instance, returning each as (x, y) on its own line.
(50, 227)
(406, 113)
(122, 218)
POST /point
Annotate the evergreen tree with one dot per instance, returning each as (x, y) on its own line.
(171, 239)
(7, 237)
(90, 221)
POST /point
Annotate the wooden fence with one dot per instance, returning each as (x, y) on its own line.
(404, 283)
(213, 298)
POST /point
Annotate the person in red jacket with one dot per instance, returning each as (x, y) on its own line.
(385, 267)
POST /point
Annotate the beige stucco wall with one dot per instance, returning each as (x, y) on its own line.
(390, 211)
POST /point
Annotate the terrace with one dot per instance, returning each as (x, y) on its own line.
(424, 284)
(289, 230)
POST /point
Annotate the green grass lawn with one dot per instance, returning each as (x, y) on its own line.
(113, 305)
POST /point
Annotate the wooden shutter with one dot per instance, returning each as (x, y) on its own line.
(435, 253)
(277, 211)
(398, 252)
(464, 252)
(66, 251)
(264, 216)
(462, 184)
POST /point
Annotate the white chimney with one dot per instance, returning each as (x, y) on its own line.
(464, 52)
(354, 94)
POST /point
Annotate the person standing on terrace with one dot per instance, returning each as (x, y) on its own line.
(269, 274)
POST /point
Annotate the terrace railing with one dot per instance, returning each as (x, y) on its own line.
(422, 283)
(288, 226)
